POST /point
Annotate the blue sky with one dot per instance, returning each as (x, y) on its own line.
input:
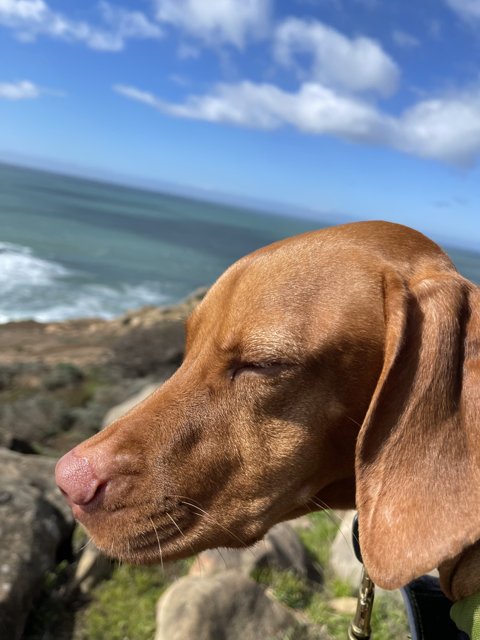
(368, 108)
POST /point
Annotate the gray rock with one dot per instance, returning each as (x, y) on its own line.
(92, 567)
(303, 523)
(121, 409)
(345, 605)
(343, 562)
(280, 549)
(34, 521)
(225, 606)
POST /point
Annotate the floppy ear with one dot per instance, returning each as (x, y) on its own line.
(417, 456)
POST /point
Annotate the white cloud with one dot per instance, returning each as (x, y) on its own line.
(187, 52)
(445, 129)
(218, 21)
(22, 9)
(465, 8)
(22, 90)
(357, 64)
(31, 18)
(137, 94)
(313, 109)
(405, 40)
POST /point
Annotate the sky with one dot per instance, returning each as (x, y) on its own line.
(369, 109)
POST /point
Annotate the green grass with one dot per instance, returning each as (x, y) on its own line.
(319, 537)
(388, 618)
(285, 586)
(123, 608)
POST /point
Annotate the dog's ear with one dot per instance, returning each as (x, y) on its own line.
(418, 451)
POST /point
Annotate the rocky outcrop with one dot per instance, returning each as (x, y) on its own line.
(92, 340)
(225, 606)
(34, 522)
(281, 549)
(57, 380)
(121, 409)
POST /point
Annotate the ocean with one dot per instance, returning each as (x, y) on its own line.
(73, 247)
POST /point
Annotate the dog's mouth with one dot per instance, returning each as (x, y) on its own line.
(173, 529)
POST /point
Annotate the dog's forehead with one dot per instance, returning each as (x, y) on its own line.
(275, 298)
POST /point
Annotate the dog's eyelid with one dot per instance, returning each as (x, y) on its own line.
(267, 367)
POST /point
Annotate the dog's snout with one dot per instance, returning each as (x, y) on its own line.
(76, 478)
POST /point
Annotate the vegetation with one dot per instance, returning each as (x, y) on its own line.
(123, 607)
(313, 602)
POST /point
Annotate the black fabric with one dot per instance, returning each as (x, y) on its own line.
(428, 611)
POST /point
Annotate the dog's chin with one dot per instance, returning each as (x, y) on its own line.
(153, 551)
(153, 544)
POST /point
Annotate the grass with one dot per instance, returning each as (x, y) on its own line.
(319, 536)
(286, 587)
(388, 618)
(123, 608)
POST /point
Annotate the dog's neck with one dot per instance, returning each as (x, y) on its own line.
(460, 576)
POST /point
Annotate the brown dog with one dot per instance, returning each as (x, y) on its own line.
(339, 367)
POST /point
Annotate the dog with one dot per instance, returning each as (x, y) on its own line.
(340, 367)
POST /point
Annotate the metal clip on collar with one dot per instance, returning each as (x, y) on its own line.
(359, 628)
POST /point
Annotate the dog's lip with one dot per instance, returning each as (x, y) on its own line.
(151, 539)
(147, 547)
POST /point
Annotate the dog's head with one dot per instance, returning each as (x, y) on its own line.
(336, 359)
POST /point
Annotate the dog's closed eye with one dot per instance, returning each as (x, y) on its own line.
(262, 368)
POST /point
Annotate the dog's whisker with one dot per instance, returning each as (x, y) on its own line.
(318, 502)
(222, 557)
(172, 495)
(206, 515)
(159, 545)
(329, 514)
(84, 546)
(184, 536)
(175, 524)
(354, 421)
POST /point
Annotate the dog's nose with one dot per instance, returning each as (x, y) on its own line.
(76, 479)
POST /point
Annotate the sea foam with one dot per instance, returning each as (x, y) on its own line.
(40, 289)
(19, 267)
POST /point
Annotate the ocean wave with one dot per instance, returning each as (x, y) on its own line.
(39, 289)
(20, 267)
(100, 301)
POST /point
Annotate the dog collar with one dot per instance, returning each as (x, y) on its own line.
(466, 615)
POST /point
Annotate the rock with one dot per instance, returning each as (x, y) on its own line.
(280, 549)
(121, 409)
(34, 521)
(343, 562)
(346, 605)
(226, 606)
(32, 419)
(93, 567)
(303, 523)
